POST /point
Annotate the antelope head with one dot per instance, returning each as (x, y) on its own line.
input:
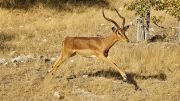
(119, 31)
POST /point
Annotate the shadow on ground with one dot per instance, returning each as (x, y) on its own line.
(130, 76)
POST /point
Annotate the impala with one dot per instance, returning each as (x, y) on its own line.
(93, 46)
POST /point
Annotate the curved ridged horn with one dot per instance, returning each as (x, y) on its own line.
(123, 18)
(110, 20)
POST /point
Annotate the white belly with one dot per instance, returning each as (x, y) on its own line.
(86, 53)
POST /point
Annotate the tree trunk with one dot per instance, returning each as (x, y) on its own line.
(140, 26)
(147, 20)
(140, 29)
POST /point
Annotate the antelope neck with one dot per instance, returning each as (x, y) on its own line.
(110, 40)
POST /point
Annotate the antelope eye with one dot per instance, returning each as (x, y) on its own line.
(119, 33)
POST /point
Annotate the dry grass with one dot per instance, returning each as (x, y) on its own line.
(154, 67)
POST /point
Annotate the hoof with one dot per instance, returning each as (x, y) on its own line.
(124, 78)
(50, 70)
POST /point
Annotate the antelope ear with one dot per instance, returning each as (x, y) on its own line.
(113, 29)
(126, 27)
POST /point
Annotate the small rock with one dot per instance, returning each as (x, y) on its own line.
(14, 60)
(47, 59)
(85, 76)
(12, 53)
(22, 58)
(2, 60)
(131, 23)
(102, 24)
(58, 95)
(6, 63)
(41, 57)
(71, 77)
(177, 65)
(44, 58)
(53, 59)
(151, 29)
(44, 40)
(120, 9)
(72, 61)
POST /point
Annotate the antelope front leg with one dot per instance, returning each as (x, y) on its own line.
(107, 59)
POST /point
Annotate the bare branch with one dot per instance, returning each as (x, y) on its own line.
(164, 27)
(160, 26)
